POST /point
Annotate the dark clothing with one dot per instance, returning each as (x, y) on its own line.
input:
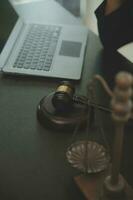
(115, 29)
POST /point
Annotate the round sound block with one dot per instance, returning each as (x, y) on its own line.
(49, 117)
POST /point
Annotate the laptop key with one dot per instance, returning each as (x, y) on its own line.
(46, 68)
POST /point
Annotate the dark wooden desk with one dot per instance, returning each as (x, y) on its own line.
(33, 165)
(32, 159)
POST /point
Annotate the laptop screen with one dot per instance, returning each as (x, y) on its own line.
(8, 18)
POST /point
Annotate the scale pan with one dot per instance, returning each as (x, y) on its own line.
(88, 156)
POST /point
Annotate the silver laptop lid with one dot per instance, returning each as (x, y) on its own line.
(8, 18)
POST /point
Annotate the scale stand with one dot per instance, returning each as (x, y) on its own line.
(110, 185)
(92, 187)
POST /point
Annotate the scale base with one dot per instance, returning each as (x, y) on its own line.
(92, 188)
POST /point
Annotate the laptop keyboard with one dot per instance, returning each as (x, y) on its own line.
(38, 48)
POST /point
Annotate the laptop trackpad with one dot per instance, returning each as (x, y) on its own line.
(70, 48)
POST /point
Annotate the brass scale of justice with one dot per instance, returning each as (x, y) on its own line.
(100, 178)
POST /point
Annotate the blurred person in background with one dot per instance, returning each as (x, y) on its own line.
(115, 23)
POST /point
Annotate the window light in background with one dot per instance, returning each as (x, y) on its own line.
(87, 9)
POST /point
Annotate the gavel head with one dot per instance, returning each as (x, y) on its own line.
(63, 97)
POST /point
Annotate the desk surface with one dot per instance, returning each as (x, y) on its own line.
(33, 162)
(33, 165)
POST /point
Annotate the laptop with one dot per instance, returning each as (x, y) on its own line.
(46, 50)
